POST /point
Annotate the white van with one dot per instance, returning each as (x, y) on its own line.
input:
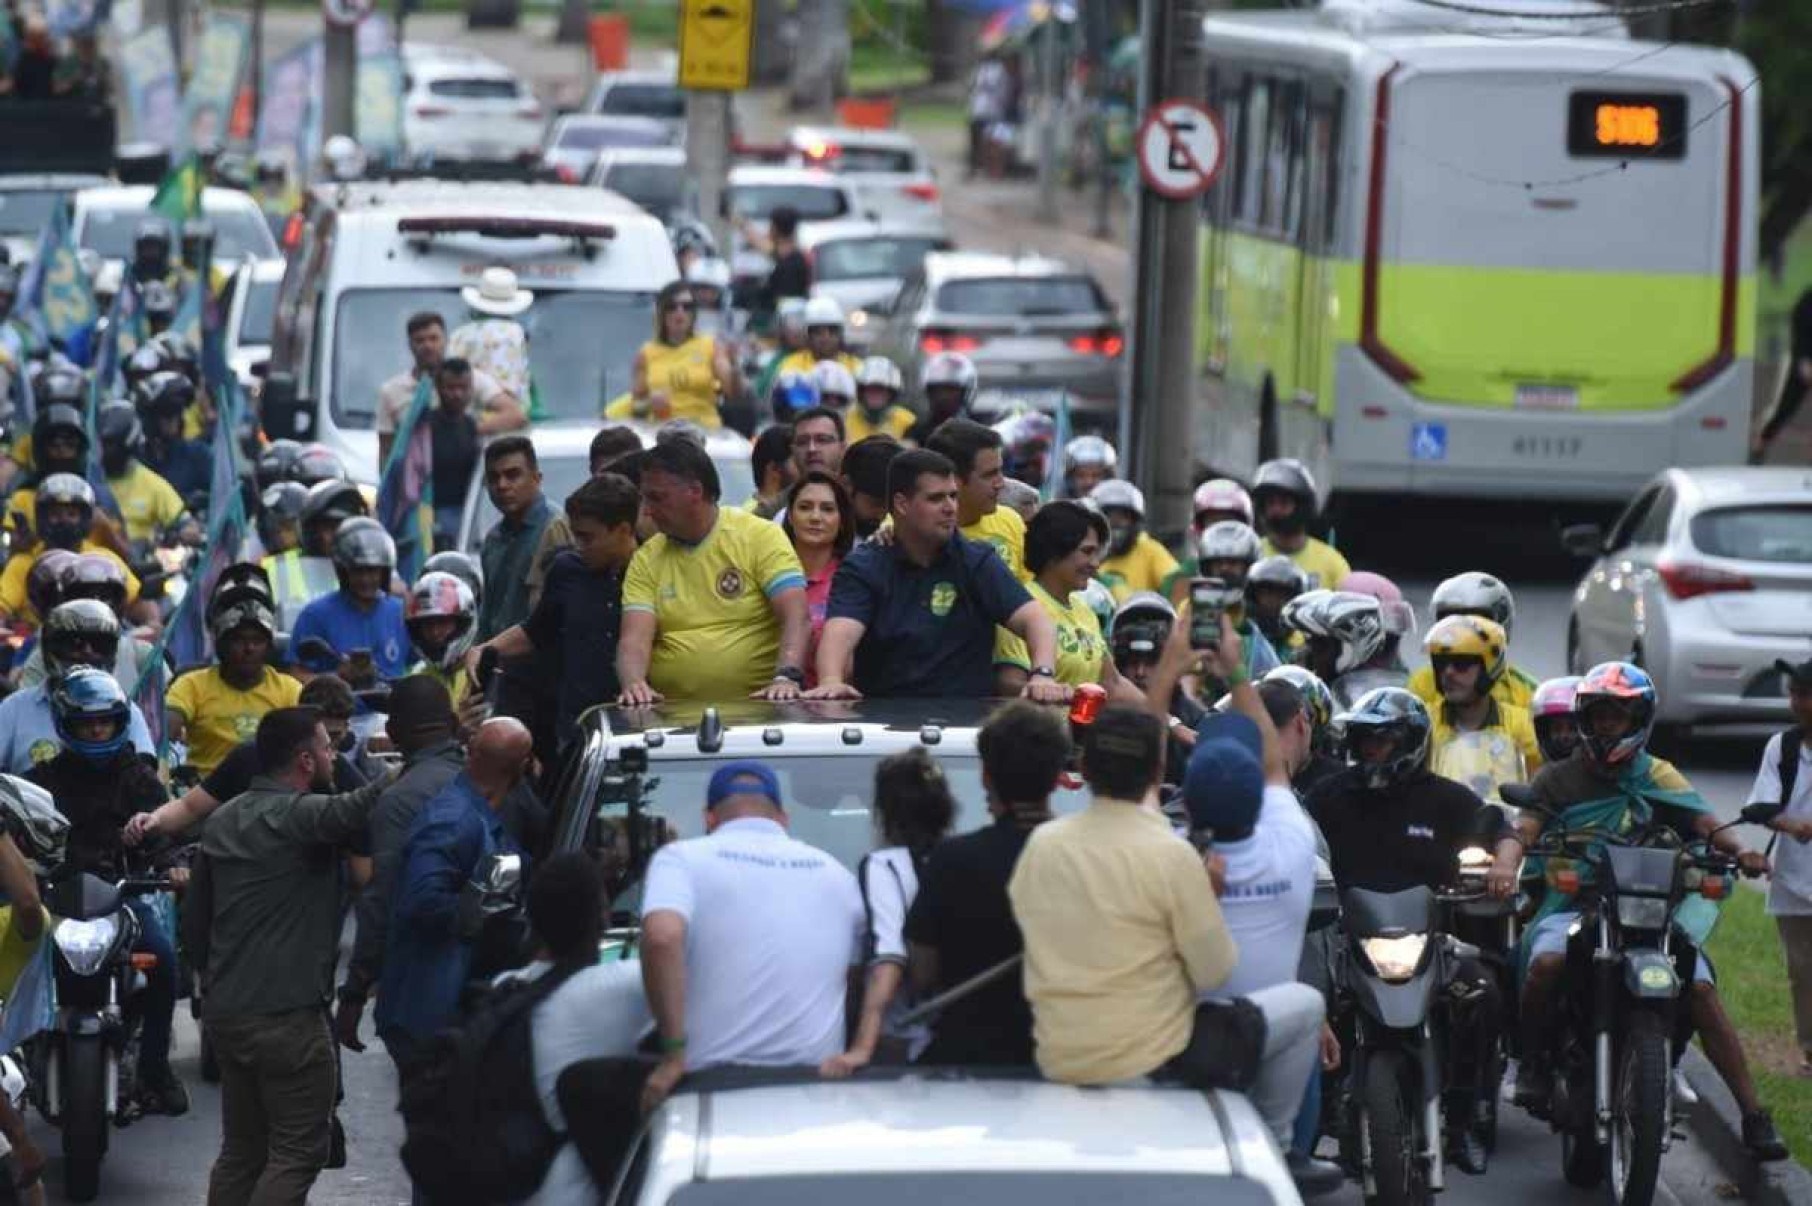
(366, 256)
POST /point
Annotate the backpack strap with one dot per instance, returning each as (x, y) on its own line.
(1788, 764)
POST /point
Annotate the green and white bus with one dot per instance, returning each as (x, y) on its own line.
(1506, 262)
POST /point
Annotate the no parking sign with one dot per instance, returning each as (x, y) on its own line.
(1180, 149)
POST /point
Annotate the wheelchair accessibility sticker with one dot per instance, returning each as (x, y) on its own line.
(1428, 442)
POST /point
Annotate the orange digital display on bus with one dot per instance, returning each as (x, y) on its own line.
(1627, 125)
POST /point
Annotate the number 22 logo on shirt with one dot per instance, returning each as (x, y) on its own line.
(943, 598)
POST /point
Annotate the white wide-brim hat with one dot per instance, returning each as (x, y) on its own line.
(497, 293)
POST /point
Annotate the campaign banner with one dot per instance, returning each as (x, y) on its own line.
(207, 105)
(378, 118)
(289, 98)
(151, 87)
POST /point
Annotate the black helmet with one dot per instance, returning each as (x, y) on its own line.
(59, 489)
(81, 632)
(331, 499)
(55, 420)
(248, 612)
(122, 435)
(95, 576)
(1141, 625)
(316, 463)
(195, 231)
(1290, 477)
(362, 543)
(279, 506)
(159, 302)
(180, 354)
(146, 359)
(151, 243)
(238, 583)
(462, 566)
(275, 461)
(162, 395)
(60, 384)
(44, 582)
(1392, 712)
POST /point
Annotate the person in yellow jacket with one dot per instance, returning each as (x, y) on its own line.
(1135, 561)
(826, 335)
(1283, 493)
(877, 410)
(679, 374)
(1477, 740)
(1477, 594)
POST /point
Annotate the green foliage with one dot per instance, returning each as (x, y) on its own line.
(1752, 979)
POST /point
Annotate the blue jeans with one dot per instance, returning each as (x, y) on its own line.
(158, 1001)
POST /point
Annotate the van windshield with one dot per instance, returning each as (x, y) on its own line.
(581, 345)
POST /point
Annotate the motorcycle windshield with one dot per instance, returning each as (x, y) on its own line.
(1368, 914)
(1643, 870)
(1483, 761)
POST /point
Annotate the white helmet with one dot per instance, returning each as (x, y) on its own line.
(344, 158)
(1090, 450)
(832, 378)
(1222, 495)
(1228, 540)
(1121, 494)
(824, 312)
(952, 368)
(1474, 594)
(879, 370)
(1354, 622)
(790, 312)
(28, 814)
(711, 272)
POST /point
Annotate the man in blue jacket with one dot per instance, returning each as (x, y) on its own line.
(426, 961)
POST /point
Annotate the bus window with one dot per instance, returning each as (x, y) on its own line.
(1251, 152)
(1280, 154)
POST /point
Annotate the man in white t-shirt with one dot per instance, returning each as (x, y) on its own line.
(497, 409)
(1790, 892)
(747, 938)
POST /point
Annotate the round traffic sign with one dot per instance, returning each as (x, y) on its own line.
(1180, 149)
(347, 12)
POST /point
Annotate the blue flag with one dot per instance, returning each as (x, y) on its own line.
(56, 297)
(1060, 439)
(405, 504)
(187, 631)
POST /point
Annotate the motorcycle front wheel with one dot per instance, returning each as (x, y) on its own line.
(1391, 1112)
(1639, 1122)
(84, 1117)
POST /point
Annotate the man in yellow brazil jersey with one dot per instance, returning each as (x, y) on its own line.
(1283, 493)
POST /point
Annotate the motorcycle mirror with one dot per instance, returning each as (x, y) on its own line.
(1761, 812)
(1522, 796)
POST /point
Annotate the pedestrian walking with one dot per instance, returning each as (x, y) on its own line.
(1785, 777)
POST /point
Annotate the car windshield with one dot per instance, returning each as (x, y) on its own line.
(812, 202)
(238, 233)
(975, 1188)
(827, 797)
(260, 312)
(657, 187)
(589, 137)
(581, 345)
(856, 259)
(27, 210)
(1021, 296)
(1780, 533)
(645, 100)
(561, 475)
(481, 88)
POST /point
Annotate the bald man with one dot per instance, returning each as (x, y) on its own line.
(427, 961)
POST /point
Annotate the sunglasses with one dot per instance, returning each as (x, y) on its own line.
(681, 307)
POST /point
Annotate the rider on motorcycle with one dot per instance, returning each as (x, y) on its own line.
(1551, 711)
(1478, 740)
(1135, 561)
(1284, 493)
(877, 410)
(441, 614)
(1343, 642)
(1392, 824)
(949, 381)
(1614, 785)
(99, 782)
(1477, 594)
(1318, 703)
(1140, 627)
(1227, 550)
(1399, 616)
(1270, 585)
(1088, 460)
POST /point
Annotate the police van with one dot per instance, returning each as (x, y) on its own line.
(365, 256)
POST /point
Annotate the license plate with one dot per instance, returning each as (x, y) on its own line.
(1547, 397)
(1547, 448)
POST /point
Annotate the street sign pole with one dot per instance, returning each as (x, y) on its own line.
(1157, 408)
(715, 43)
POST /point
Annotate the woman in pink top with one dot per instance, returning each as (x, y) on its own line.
(822, 525)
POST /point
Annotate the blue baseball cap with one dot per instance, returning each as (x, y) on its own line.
(1224, 785)
(746, 777)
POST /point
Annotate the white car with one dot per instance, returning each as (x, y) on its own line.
(106, 220)
(862, 265)
(891, 174)
(949, 1138)
(655, 178)
(251, 317)
(655, 94)
(27, 203)
(469, 109)
(1705, 581)
(576, 140)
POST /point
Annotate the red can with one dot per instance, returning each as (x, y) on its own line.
(1086, 703)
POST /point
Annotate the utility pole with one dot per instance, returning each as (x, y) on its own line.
(339, 78)
(1050, 93)
(1156, 413)
(708, 156)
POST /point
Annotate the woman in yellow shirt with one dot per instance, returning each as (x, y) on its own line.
(1064, 543)
(680, 374)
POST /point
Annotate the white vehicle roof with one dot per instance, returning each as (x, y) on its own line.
(138, 196)
(667, 156)
(949, 265)
(466, 68)
(763, 173)
(837, 230)
(1699, 488)
(847, 136)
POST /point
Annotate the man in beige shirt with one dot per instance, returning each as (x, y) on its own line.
(497, 410)
(1124, 938)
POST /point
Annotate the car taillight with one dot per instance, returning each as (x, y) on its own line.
(926, 191)
(816, 152)
(566, 174)
(1689, 579)
(432, 111)
(933, 342)
(1105, 342)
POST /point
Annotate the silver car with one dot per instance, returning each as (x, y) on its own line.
(908, 1138)
(862, 265)
(1034, 327)
(1704, 581)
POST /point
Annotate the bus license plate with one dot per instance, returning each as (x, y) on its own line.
(1547, 397)
(1547, 448)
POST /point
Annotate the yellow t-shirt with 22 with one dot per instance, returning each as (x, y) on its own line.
(217, 717)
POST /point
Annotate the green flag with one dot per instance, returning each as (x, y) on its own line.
(178, 196)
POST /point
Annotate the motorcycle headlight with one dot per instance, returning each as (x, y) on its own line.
(85, 944)
(1395, 959)
(1642, 912)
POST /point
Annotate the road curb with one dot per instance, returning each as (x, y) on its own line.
(1718, 1123)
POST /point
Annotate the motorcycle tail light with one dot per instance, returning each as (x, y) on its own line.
(1714, 887)
(1564, 880)
(144, 961)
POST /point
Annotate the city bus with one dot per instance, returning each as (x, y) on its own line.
(1514, 260)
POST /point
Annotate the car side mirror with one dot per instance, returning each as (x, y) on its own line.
(1761, 813)
(1582, 539)
(286, 415)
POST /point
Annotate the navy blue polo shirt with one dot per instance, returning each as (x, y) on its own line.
(928, 630)
(577, 622)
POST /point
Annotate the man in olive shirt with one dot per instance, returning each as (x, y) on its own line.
(263, 919)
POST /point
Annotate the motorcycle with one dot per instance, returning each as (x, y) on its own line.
(77, 1081)
(1612, 1055)
(1392, 981)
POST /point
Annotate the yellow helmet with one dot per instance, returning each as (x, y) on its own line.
(1471, 636)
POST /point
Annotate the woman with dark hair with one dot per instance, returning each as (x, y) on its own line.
(1064, 545)
(679, 374)
(913, 811)
(821, 523)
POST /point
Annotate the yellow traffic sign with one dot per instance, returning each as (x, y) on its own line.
(714, 44)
